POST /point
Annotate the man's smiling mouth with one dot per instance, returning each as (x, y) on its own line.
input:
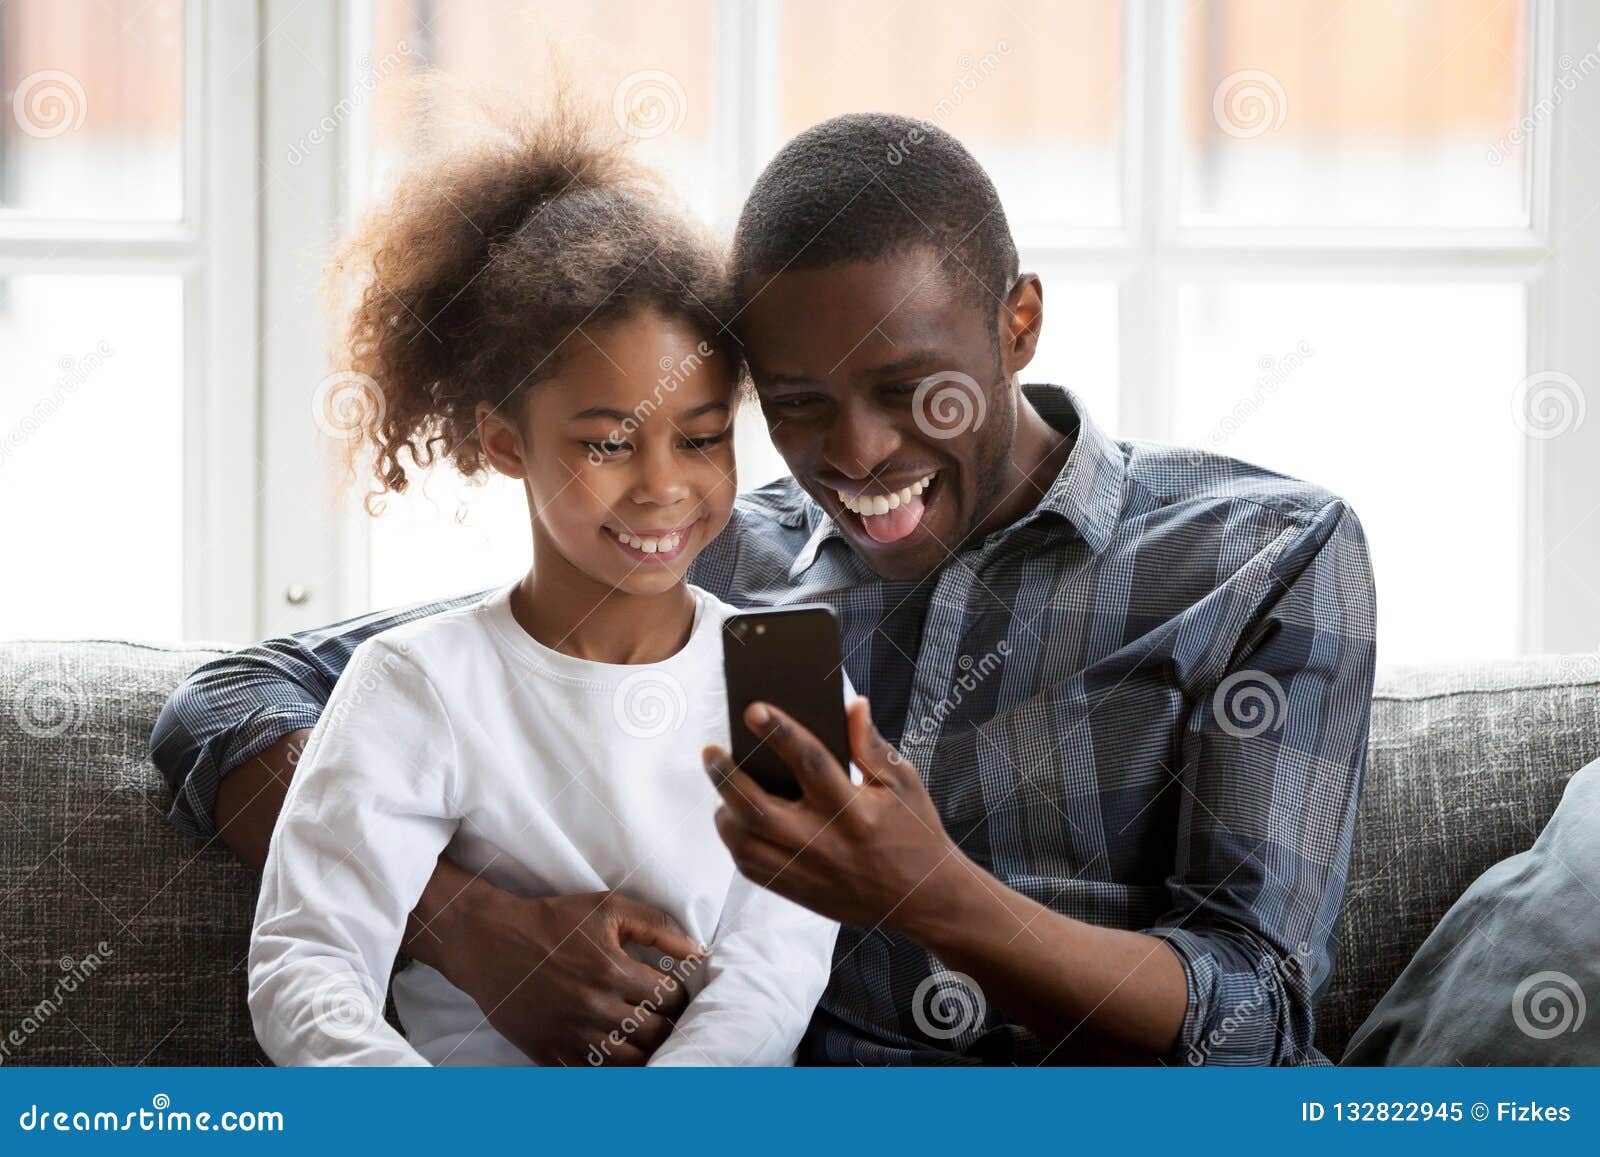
(890, 516)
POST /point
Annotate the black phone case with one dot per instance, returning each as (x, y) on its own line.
(788, 656)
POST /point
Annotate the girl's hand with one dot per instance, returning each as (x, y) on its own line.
(869, 855)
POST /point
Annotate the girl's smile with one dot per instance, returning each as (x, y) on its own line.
(653, 546)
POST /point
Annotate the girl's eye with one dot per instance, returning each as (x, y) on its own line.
(707, 442)
(605, 449)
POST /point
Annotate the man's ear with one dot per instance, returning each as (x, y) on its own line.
(1021, 319)
(501, 439)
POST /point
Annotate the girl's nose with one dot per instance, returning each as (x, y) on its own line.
(661, 481)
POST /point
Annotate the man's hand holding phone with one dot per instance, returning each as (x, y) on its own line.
(868, 854)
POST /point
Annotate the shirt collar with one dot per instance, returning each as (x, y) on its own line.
(1088, 491)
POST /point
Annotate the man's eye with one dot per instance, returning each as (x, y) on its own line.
(794, 402)
(605, 449)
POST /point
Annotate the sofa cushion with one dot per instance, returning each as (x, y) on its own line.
(1466, 765)
(91, 859)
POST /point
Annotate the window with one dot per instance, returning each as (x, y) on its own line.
(1348, 240)
(122, 199)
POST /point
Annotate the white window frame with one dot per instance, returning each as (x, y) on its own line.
(308, 548)
(212, 248)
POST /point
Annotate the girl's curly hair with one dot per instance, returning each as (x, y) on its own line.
(469, 280)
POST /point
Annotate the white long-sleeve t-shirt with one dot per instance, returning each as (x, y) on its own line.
(549, 775)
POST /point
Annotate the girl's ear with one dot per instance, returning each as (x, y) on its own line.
(501, 440)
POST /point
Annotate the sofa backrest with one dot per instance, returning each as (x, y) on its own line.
(1465, 765)
(125, 942)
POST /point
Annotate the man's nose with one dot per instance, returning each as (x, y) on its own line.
(861, 438)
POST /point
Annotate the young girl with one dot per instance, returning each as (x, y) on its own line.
(526, 305)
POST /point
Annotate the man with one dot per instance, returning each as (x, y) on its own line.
(1119, 693)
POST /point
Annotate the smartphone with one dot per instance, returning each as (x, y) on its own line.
(789, 657)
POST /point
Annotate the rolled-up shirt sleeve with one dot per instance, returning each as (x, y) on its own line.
(230, 710)
(1273, 757)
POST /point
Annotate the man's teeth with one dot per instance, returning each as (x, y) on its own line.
(867, 505)
(663, 545)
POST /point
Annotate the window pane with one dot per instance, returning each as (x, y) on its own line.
(1398, 398)
(1033, 88)
(91, 456)
(648, 64)
(91, 126)
(1078, 345)
(1367, 112)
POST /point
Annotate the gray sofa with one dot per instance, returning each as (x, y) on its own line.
(123, 942)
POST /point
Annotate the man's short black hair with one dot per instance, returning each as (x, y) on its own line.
(862, 186)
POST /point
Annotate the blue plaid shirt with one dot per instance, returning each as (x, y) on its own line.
(1144, 705)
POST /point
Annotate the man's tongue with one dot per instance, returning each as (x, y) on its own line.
(896, 524)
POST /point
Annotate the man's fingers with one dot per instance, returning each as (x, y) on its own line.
(826, 785)
(646, 925)
(760, 861)
(742, 794)
(879, 763)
